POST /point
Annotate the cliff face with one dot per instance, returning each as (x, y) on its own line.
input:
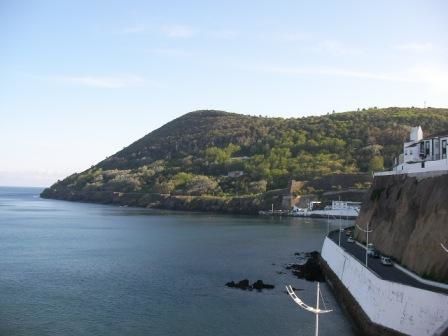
(409, 219)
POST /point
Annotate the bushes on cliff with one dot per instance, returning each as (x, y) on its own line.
(213, 143)
(201, 185)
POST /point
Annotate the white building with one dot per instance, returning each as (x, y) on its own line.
(343, 209)
(235, 173)
(422, 154)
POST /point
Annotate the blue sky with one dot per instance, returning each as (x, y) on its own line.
(82, 79)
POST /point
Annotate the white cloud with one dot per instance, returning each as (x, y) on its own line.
(434, 77)
(329, 71)
(174, 52)
(106, 82)
(336, 48)
(224, 34)
(289, 37)
(416, 47)
(294, 36)
(178, 31)
(135, 29)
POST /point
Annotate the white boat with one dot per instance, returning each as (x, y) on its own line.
(344, 209)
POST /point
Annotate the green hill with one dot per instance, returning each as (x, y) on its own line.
(194, 154)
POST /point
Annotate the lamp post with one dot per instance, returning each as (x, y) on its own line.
(340, 227)
(367, 240)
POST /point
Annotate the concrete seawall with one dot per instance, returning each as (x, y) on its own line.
(381, 307)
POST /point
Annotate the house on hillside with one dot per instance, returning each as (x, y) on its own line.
(235, 173)
(422, 154)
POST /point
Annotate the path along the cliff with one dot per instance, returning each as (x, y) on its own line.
(384, 272)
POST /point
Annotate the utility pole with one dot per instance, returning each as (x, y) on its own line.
(367, 240)
(340, 227)
(317, 307)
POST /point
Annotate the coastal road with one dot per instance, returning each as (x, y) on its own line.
(389, 273)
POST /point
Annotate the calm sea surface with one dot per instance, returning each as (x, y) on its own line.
(82, 269)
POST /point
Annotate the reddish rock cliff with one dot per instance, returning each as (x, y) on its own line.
(409, 219)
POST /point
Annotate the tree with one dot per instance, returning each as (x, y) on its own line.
(164, 187)
(257, 187)
(376, 163)
(201, 185)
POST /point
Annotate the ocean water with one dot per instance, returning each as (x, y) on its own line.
(85, 269)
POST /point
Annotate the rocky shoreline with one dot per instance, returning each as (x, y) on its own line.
(308, 268)
(246, 205)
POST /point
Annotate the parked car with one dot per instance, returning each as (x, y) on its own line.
(373, 254)
(348, 232)
(386, 261)
(350, 240)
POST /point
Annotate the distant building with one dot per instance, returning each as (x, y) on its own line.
(236, 173)
(422, 154)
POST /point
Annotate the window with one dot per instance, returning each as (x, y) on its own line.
(443, 149)
(436, 148)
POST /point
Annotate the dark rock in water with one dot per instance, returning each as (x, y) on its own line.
(245, 285)
(310, 270)
(231, 284)
(259, 285)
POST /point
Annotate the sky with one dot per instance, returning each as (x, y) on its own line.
(82, 79)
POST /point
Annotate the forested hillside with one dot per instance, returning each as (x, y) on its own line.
(225, 154)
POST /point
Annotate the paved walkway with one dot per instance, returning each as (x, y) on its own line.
(389, 273)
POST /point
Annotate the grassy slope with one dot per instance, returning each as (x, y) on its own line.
(191, 154)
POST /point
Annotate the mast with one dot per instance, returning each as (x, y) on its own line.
(317, 307)
(314, 310)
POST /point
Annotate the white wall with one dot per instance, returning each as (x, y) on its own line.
(410, 310)
(413, 168)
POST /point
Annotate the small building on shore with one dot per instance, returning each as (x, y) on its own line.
(235, 173)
